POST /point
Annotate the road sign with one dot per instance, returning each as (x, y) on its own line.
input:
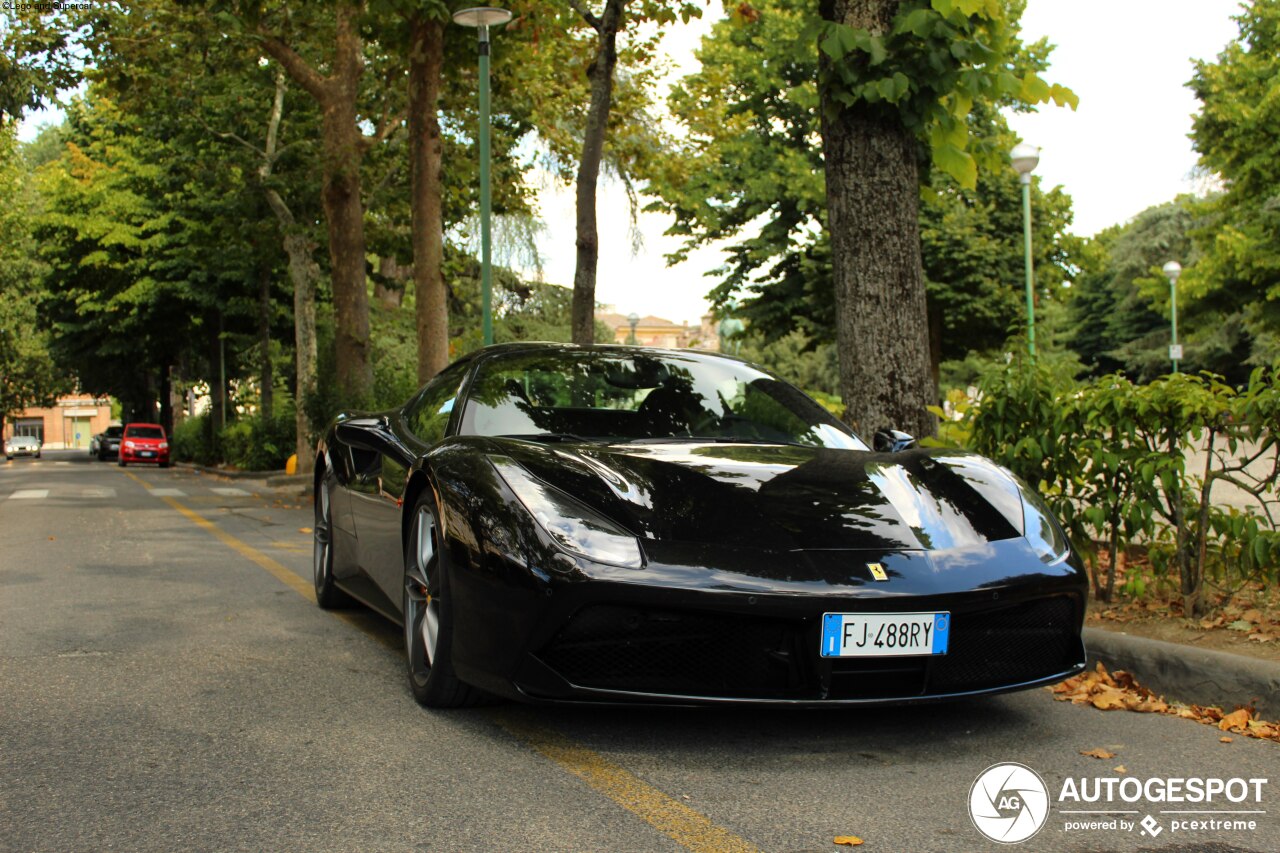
(1175, 352)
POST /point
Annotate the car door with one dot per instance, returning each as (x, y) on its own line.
(377, 495)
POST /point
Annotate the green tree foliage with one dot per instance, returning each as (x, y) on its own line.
(750, 172)
(27, 373)
(1120, 305)
(40, 56)
(1236, 135)
(131, 222)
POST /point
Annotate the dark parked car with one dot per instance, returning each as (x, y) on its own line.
(22, 445)
(106, 444)
(614, 524)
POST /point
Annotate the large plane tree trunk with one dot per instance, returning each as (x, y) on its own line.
(872, 201)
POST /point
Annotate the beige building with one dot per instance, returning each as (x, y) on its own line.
(658, 332)
(71, 423)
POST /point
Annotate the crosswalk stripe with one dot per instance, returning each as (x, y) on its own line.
(98, 492)
(229, 492)
(29, 494)
(168, 493)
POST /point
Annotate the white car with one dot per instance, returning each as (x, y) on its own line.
(22, 445)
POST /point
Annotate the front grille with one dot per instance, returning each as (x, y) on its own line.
(694, 653)
(1008, 646)
(679, 652)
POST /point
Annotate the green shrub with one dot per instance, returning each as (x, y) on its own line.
(192, 441)
(260, 444)
(1110, 456)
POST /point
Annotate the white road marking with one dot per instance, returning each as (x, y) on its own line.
(29, 494)
(168, 493)
(98, 492)
(230, 492)
(62, 463)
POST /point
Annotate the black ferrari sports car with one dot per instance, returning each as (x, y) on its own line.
(619, 524)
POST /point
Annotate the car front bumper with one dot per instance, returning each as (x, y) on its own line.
(680, 633)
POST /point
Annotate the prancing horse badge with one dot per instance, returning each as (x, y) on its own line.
(877, 571)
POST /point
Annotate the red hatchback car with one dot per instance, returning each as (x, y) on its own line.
(144, 443)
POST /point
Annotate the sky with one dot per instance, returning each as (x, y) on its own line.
(1123, 150)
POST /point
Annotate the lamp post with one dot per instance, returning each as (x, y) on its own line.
(483, 17)
(634, 319)
(1172, 270)
(1025, 158)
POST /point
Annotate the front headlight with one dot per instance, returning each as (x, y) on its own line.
(574, 527)
(164, 445)
(1040, 528)
(130, 445)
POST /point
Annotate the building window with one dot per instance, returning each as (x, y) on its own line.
(30, 426)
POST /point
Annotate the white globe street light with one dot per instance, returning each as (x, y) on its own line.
(1172, 270)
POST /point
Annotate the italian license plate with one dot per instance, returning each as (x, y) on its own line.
(146, 453)
(866, 635)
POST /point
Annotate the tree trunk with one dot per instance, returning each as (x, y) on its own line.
(303, 275)
(344, 213)
(426, 59)
(264, 342)
(872, 202)
(343, 146)
(588, 243)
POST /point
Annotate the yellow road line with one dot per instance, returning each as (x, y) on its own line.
(681, 824)
(278, 571)
(684, 825)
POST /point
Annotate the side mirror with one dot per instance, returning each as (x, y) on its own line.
(364, 433)
(892, 441)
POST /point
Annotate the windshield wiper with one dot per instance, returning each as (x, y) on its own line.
(712, 439)
(550, 437)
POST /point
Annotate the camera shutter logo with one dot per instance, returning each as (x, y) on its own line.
(1008, 803)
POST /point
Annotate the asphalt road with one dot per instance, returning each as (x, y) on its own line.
(167, 683)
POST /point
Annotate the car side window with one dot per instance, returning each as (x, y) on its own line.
(428, 415)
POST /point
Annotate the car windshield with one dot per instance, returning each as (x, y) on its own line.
(602, 395)
(113, 432)
(144, 432)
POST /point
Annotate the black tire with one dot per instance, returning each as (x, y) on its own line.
(328, 596)
(428, 654)
(121, 463)
(164, 464)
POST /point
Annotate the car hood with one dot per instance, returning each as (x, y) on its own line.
(784, 497)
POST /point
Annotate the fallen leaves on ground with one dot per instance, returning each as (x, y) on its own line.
(1110, 691)
(1120, 768)
(848, 840)
(1225, 739)
(1097, 753)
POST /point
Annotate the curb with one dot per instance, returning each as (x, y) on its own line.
(1188, 674)
(228, 472)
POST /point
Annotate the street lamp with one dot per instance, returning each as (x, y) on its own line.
(634, 319)
(483, 17)
(1025, 158)
(1172, 270)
